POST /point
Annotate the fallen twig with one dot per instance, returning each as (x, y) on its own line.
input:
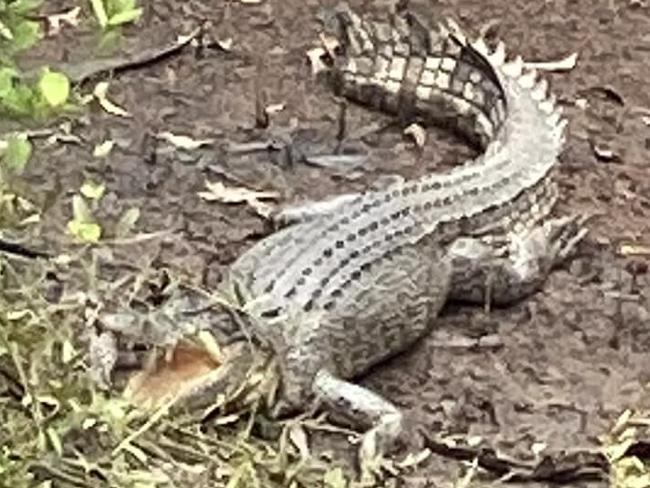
(80, 72)
(561, 467)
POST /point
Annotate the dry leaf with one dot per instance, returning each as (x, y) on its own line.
(183, 142)
(565, 64)
(634, 250)
(274, 108)
(101, 92)
(316, 60)
(103, 149)
(225, 44)
(582, 103)
(298, 437)
(604, 154)
(218, 192)
(330, 44)
(413, 459)
(418, 134)
(56, 21)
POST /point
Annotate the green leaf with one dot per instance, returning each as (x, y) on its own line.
(7, 76)
(116, 6)
(100, 12)
(55, 441)
(127, 222)
(103, 149)
(17, 153)
(22, 7)
(138, 453)
(334, 478)
(67, 351)
(92, 190)
(6, 32)
(55, 88)
(125, 17)
(83, 225)
(85, 231)
(80, 211)
(26, 33)
(19, 101)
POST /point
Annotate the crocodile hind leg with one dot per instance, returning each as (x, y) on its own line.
(483, 273)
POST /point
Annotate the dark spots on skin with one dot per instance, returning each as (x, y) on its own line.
(290, 293)
(328, 252)
(270, 314)
(307, 271)
(339, 244)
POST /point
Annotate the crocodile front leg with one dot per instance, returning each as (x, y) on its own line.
(391, 302)
(366, 409)
(483, 273)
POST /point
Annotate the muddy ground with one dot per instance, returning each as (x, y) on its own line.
(566, 362)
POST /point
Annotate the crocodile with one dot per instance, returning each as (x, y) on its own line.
(352, 281)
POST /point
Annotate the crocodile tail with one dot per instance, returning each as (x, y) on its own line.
(440, 76)
(401, 67)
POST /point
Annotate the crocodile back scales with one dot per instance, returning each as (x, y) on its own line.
(399, 66)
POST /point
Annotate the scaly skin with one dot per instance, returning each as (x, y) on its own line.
(357, 279)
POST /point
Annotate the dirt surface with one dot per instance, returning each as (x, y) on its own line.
(566, 362)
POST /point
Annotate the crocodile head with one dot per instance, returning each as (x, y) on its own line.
(192, 376)
(185, 353)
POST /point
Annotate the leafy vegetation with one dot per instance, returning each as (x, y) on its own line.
(114, 13)
(19, 96)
